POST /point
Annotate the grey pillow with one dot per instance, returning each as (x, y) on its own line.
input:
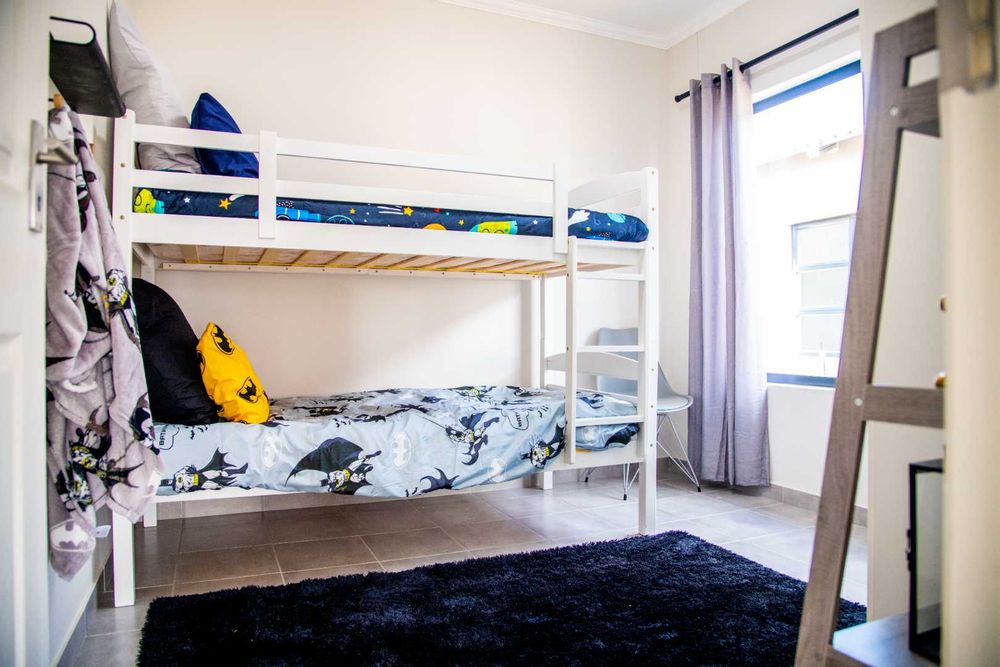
(147, 90)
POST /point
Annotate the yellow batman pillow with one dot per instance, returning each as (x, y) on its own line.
(230, 379)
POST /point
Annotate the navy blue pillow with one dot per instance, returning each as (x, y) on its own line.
(209, 114)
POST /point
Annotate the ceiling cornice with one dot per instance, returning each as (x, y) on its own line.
(530, 12)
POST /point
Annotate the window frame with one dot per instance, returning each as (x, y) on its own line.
(800, 269)
(848, 70)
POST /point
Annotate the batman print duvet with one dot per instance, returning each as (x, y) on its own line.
(390, 443)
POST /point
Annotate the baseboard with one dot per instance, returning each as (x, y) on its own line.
(74, 644)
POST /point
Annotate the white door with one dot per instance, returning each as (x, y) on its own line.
(23, 537)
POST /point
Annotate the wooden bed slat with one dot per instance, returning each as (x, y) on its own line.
(272, 256)
(202, 254)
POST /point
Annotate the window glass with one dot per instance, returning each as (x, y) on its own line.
(808, 172)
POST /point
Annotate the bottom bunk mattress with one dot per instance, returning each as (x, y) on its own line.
(582, 223)
(388, 443)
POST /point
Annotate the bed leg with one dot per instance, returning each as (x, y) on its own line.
(149, 516)
(123, 561)
(647, 497)
(544, 480)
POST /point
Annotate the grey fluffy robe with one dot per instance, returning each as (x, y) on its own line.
(101, 447)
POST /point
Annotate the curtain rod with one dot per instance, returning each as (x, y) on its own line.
(786, 46)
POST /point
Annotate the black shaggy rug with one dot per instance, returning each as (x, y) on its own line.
(665, 599)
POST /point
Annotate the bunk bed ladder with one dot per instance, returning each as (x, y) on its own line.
(646, 277)
(894, 107)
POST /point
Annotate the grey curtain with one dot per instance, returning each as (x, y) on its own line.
(727, 424)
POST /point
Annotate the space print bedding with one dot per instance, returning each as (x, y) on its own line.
(388, 443)
(582, 223)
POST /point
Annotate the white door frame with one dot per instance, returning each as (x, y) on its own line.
(24, 623)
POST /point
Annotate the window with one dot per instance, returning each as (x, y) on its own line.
(808, 142)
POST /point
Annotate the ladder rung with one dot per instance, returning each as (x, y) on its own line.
(603, 421)
(904, 405)
(596, 275)
(610, 348)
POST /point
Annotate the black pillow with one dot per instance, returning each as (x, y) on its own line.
(176, 392)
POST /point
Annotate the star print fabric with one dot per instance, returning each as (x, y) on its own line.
(583, 223)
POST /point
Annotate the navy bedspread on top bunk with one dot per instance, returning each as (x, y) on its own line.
(583, 223)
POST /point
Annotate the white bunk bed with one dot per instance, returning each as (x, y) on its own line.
(180, 242)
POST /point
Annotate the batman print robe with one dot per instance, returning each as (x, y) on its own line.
(101, 449)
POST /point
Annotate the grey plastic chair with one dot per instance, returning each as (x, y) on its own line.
(668, 401)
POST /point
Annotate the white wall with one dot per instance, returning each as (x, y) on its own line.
(799, 423)
(412, 74)
(911, 343)
(754, 28)
(971, 605)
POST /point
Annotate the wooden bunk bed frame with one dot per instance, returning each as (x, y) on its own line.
(179, 242)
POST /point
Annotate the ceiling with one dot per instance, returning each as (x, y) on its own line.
(659, 23)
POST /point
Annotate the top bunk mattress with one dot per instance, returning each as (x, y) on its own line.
(583, 223)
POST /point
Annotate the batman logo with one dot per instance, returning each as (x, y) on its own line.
(248, 392)
(222, 340)
(201, 360)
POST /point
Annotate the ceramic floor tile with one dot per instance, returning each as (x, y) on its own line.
(740, 499)
(513, 549)
(775, 561)
(790, 513)
(401, 564)
(744, 524)
(323, 553)
(207, 534)
(327, 572)
(567, 525)
(457, 513)
(153, 570)
(600, 497)
(623, 515)
(796, 544)
(692, 506)
(449, 499)
(442, 528)
(224, 521)
(412, 544)
(316, 526)
(225, 564)
(164, 539)
(106, 618)
(856, 566)
(535, 502)
(115, 650)
(226, 584)
(696, 528)
(493, 534)
(854, 591)
(394, 519)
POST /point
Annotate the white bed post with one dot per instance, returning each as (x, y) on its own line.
(560, 209)
(123, 553)
(571, 349)
(543, 480)
(649, 341)
(267, 183)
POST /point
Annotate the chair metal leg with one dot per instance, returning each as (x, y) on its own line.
(685, 464)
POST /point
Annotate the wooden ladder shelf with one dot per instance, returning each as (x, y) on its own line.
(894, 107)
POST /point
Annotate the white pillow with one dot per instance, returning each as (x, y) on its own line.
(147, 90)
